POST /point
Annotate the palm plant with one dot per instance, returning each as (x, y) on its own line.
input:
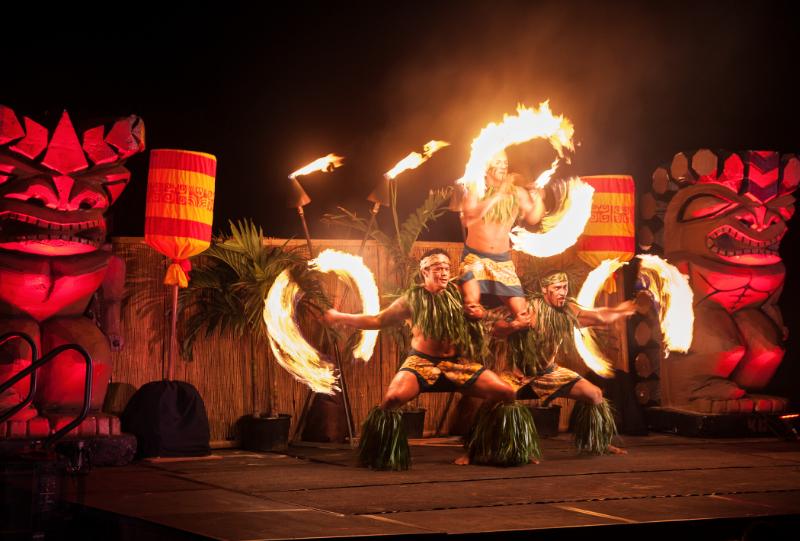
(227, 291)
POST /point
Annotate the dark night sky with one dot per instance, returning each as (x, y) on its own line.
(267, 89)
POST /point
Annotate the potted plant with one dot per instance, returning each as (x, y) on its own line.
(227, 294)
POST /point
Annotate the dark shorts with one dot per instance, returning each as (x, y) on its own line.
(441, 373)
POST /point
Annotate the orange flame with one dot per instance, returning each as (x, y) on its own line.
(352, 270)
(584, 341)
(527, 124)
(674, 298)
(415, 159)
(560, 230)
(291, 350)
(542, 180)
(326, 163)
(670, 290)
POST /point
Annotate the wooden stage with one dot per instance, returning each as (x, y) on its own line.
(666, 484)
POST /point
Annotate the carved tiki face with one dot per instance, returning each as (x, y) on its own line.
(735, 214)
(54, 191)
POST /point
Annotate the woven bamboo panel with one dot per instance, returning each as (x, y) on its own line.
(236, 377)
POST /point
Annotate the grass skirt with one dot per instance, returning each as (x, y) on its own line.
(594, 427)
(503, 435)
(384, 444)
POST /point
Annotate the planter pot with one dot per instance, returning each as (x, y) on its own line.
(546, 420)
(266, 433)
(414, 422)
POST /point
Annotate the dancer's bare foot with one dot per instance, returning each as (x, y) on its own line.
(533, 460)
(463, 460)
(614, 450)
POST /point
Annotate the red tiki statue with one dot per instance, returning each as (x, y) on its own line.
(55, 188)
(724, 215)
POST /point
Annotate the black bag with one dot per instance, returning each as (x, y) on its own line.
(168, 419)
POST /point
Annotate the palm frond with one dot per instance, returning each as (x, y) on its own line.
(431, 209)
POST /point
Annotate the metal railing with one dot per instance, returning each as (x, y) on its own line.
(30, 370)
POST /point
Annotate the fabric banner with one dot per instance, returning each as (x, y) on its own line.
(610, 231)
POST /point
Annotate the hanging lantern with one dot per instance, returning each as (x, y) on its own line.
(609, 233)
(180, 207)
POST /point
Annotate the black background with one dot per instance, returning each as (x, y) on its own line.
(270, 86)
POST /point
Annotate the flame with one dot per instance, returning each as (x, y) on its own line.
(415, 159)
(542, 180)
(291, 350)
(673, 297)
(584, 341)
(567, 226)
(670, 291)
(326, 163)
(351, 269)
(527, 124)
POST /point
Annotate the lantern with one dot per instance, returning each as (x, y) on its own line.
(178, 216)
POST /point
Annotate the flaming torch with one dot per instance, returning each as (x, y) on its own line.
(299, 198)
(673, 296)
(561, 229)
(584, 341)
(668, 288)
(526, 125)
(291, 350)
(352, 270)
(386, 192)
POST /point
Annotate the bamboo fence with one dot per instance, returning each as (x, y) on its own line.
(232, 387)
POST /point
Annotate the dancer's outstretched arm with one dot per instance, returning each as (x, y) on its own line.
(394, 314)
(588, 317)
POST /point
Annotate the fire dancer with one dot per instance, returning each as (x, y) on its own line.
(445, 348)
(487, 274)
(533, 354)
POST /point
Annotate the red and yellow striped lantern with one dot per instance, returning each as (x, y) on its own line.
(610, 231)
(180, 207)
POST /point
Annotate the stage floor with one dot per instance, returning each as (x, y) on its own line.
(668, 481)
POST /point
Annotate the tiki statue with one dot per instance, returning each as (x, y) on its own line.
(724, 215)
(55, 189)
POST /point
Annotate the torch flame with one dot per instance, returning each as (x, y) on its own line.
(671, 292)
(673, 296)
(527, 124)
(415, 159)
(584, 341)
(566, 226)
(352, 270)
(326, 163)
(542, 180)
(291, 350)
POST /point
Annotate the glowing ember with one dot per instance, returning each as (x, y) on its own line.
(561, 230)
(527, 124)
(291, 350)
(415, 159)
(584, 341)
(326, 163)
(673, 297)
(352, 270)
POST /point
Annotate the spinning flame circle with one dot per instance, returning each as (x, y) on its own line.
(291, 349)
